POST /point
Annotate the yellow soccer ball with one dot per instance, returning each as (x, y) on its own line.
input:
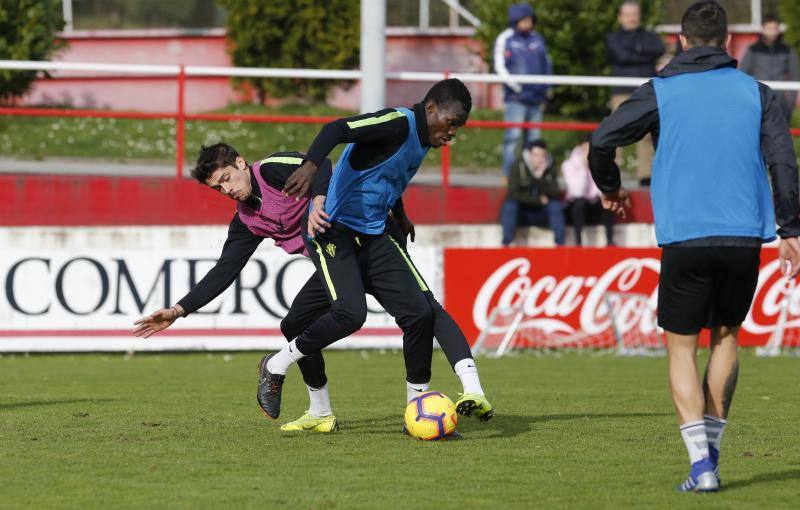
(431, 416)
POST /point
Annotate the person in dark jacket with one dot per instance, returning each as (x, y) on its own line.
(520, 50)
(633, 52)
(771, 59)
(533, 194)
(718, 132)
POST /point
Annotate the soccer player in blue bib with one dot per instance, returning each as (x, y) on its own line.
(717, 131)
(350, 247)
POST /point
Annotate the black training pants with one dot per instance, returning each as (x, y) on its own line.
(346, 261)
(450, 337)
(312, 302)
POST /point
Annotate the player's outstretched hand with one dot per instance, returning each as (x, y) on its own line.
(298, 184)
(155, 322)
(617, 201)
(789, 254)
(318, 218)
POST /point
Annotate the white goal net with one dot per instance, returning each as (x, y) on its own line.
(631, 330)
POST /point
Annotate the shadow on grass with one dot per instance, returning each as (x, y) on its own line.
(510, 425)
(502, 425)
(779, 476)
(38, 403)
(378, 424)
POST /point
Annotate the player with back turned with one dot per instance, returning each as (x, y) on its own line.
(716, 129)
(349, 244)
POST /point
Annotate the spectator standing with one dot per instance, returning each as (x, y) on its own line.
(582, 196)
(521, 50)
(771, 59)
(533, 194)
(633, 52)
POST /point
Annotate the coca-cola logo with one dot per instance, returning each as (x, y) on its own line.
(771, 294)
(570, 303)
(548, 302)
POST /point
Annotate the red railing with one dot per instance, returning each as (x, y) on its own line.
(180, 117)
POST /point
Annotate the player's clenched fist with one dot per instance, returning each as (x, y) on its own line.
(157, 321)
(617, 201)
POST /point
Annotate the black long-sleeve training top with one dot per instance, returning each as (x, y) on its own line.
(375, 140)
(241, 242)
(377, 136)
(633, 53)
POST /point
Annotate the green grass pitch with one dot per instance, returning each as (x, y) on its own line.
(184, 431)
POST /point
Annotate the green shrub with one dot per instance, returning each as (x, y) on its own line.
(790, 14)
(27, 32)
(316, 34)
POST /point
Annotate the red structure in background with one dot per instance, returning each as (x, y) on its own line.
(27, 200)
(406, 49)
(79, 200)
(83, 200)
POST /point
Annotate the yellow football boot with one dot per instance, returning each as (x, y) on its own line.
(307, 422)
(469, 404)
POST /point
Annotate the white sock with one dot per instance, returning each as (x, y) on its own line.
(320, 402)
(415, 389)
(467, 371)
(287, 356)
(714, 429)
(696, 440)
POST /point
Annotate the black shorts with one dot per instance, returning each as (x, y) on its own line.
(706, 287)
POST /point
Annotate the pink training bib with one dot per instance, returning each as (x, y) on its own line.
(279, 217)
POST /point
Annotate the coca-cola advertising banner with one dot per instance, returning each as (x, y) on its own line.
(563, 289)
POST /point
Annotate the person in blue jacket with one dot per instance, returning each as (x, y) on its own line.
(521, 50)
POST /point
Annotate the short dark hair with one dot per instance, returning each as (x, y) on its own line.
(632, 3)
(705, 23)
(540, 143)
(449, 91)
(771, 18)
(211, 159)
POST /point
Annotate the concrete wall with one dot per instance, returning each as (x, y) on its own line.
(154, 93)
